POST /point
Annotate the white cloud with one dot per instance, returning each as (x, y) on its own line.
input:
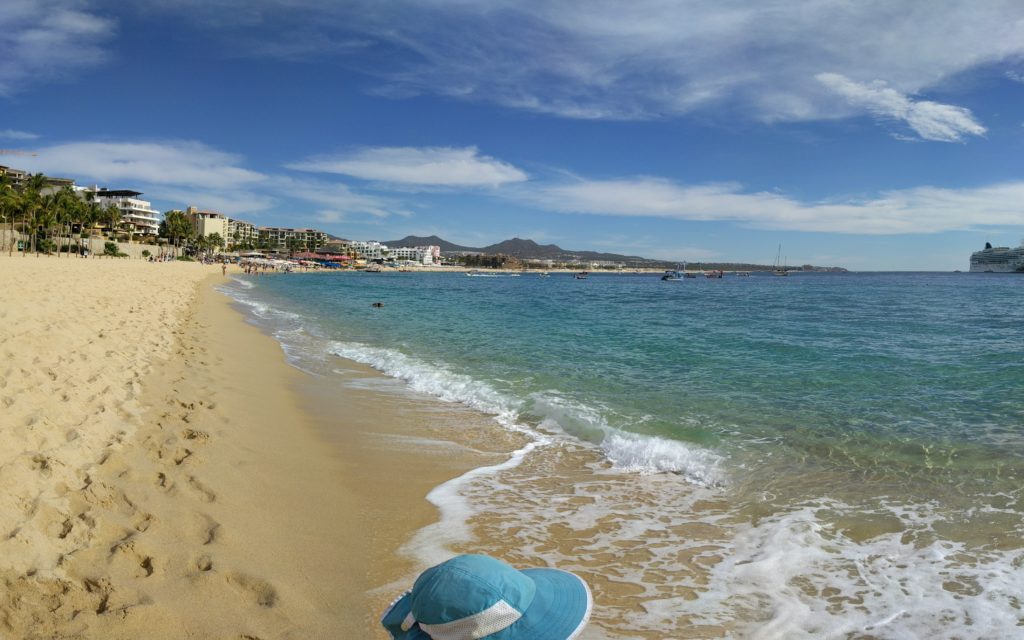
(174, 162)
(337, 202)
(185, 172)
(13, 134)
(649, 58)
(41, 39)
(917, 210)
(421, 166)
(931, 120)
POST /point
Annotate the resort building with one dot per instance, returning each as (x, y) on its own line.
(16, 176)
(136, 214)
(420, 255)
(207, 223)
(369, 249)
(242, 233)
(285, 239)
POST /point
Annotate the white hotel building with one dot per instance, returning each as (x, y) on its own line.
(135, 212)
(419, 255)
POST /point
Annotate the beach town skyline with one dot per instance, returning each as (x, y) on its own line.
(855, 137)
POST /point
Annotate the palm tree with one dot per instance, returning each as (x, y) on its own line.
(112, 216)
(67, 205)
(215, 241)
(8, 205)
(92, 214)
(31, 205)
(46, 218)
(177, 227)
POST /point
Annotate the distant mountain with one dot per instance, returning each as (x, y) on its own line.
(517, 247)
(530, 250)
(431, 241)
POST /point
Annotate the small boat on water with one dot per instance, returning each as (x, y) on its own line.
(582, 275)
(779, 269)
(678, 274)
(743, 274)
(714, 273)
(545, 274)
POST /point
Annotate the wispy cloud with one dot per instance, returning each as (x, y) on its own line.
(422, 166)
(13, 134)
(172, 162)
(42, 39)
(642, 59)
(917, 210)
(185, 172)
(931, 120)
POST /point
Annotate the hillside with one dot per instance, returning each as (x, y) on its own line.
(530, 250)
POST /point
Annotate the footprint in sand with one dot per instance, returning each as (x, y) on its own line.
(205, 492)
(192, 434)
(204, 563)
(125, 552)
(207, 528)
(261, 591)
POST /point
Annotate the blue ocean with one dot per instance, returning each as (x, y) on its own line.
(820, 455)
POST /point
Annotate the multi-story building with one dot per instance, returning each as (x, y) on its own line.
(16, 176)
(285, 239)
(136, 214)
(207, 223)
(420, 255)
(241, 232)
(369, 249)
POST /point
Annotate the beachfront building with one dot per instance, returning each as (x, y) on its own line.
(136, 214)
(242, 233)
(207, 223)
(420, 255)
(286, 239)
(369, 250)
(17, 177)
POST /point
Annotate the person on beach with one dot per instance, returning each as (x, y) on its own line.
(478, 597)
(224, 269)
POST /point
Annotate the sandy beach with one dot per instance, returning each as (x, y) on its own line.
(159, 478)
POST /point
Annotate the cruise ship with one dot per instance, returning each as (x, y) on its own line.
(998, 259)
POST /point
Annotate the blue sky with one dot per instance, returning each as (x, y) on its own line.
(870, 135)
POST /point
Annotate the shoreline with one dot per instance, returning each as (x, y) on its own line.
(230, 495)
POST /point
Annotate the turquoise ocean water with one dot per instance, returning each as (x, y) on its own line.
(820, 455)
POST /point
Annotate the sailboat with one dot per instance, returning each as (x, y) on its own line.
(779, 269)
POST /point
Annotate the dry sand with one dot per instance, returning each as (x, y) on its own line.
(159, 478)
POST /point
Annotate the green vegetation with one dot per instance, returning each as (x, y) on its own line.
(111, 249)
(51, 216)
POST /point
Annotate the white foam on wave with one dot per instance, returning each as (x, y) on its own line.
(629, 452)
(433, 380)
(245, 284)
(651, 454)
(794, 576)
(430, 545)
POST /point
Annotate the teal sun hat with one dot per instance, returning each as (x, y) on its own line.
(471, 597)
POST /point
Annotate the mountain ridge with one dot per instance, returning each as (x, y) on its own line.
(525, 249)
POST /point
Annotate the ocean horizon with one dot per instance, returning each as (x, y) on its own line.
(827, 454)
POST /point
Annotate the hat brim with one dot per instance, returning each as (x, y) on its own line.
(396, 615)
(560, 609)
